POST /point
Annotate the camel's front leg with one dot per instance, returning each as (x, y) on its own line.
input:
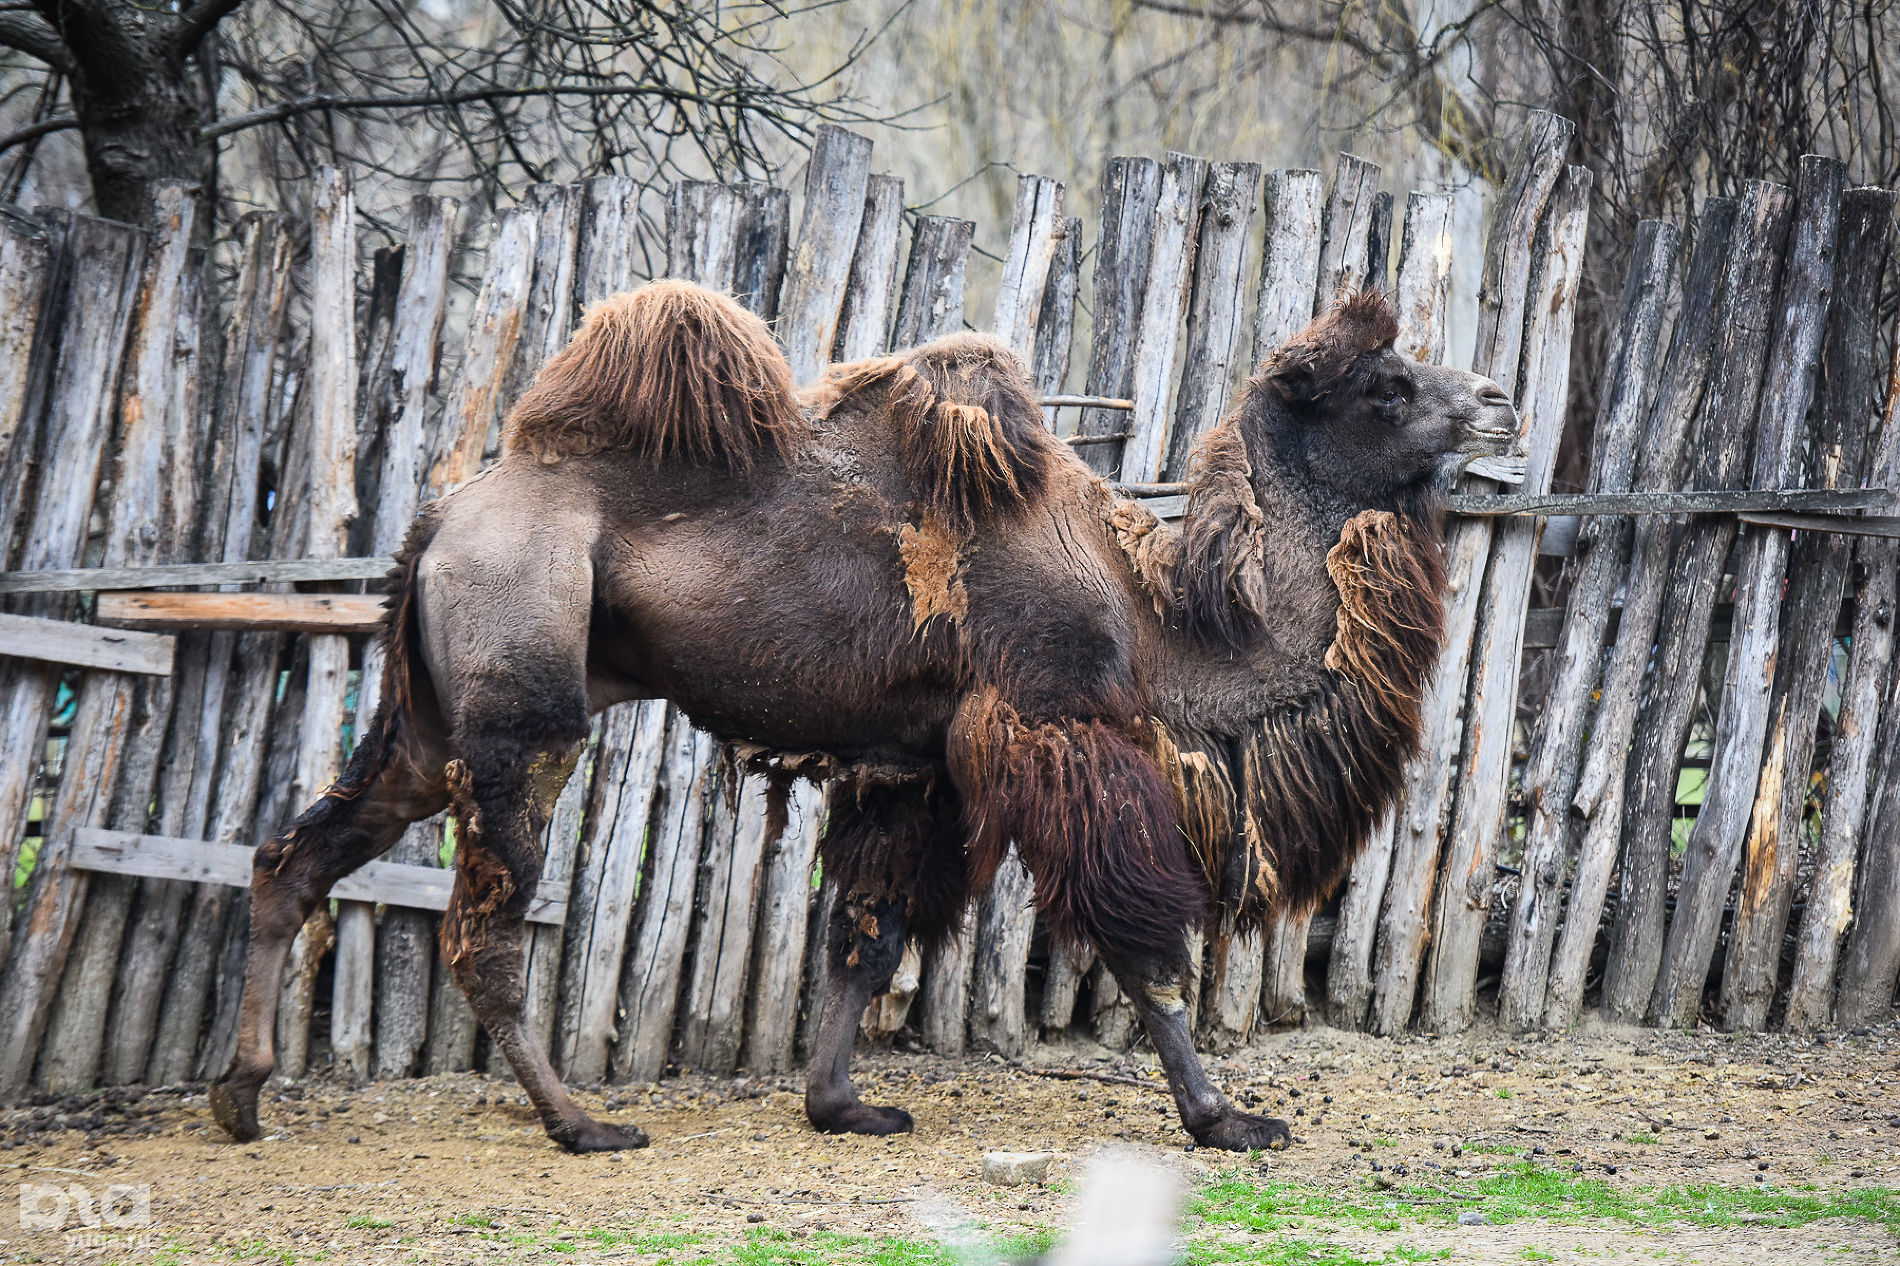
(866, 944)
(1206, 1113)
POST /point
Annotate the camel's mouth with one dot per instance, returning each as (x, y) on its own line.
(1493, 453)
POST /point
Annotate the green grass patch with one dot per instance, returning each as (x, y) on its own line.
(364, 1222)
(1504, 1092)
(1641, 1138)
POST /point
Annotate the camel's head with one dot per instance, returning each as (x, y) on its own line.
(1372, 423)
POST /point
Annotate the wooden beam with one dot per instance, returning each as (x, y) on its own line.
(261, 572)
(386, 883)
(68, 642)
(339, 613)
(1887, 525)
(1707, 502)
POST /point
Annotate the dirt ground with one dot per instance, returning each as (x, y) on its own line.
(455, 1168)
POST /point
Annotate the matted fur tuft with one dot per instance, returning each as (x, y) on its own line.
(1315, 360)
(671, 371)
(1306, 786)
(970, 434)
(887, 841)
(1094, 823)
(1223, 541)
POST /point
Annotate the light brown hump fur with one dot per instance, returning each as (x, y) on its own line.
(970, 434)
(671, 371)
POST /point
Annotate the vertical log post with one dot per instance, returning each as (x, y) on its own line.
(1422, 296)
(1345, 230)
(1055, 326)
(870, 293)
(931, 302)
(836, 179)
(1131, 190)
(1550, 778)
(331, 507)
(70, 398)
(59, 980)
(1478, 821)
(1164, 306)
(1851, 391)
(1424, 809)
(1715, 843)
(784, 917)
(1214, 309)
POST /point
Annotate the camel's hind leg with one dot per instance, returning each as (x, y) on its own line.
(896, 854)
(394, 778)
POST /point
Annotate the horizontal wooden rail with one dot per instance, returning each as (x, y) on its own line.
(1786, 499)
(1886, 525)
(1086, 402)
(196, 861)
(185, 574)
(65, 642)
(253, 612)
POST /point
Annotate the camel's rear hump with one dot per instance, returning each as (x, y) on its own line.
(671, 371)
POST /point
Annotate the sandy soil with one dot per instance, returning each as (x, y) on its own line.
(430, 1170)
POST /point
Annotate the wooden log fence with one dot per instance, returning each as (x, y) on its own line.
(222, 661)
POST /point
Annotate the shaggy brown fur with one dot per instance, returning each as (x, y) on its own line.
(970, 433)
(914, 589)
(671, 372)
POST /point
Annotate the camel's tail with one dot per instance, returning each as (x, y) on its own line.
(671, 371)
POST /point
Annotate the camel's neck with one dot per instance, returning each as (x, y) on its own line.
(1259, 608)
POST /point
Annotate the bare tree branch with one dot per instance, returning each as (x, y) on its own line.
(31, 35)
(196, 23)
(33, 131)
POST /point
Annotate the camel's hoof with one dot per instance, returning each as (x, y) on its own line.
(235, 1107)
(1239, 1131)
(863, 1118)
(603, 1136)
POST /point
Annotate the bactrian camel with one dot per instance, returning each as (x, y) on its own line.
(899, 580)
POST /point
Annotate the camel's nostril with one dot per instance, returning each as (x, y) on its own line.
(1493, 395)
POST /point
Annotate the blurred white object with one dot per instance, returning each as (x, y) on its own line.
(1127, 1213)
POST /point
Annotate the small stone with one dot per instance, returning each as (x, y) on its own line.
(755, 1217)
(1471, 1217)
(1012, 1169)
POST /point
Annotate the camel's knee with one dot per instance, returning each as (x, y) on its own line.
(1092, 819)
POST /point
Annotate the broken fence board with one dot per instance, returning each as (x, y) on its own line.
(68, 642)
(339, 613)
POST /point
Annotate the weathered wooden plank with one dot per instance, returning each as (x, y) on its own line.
(818, 969)
(75, 376)
(68, 642)
(330, 507)
(1688, 501)
(1061, 983)
(1055, 325)
(1740, 817)
(1350, 213)
(162, 575)
(733, 864)
(1423, 808)
(1164, 307)
(1214, 309)
(1131, 190)
(626, 776)
(931, 302)
(836, 179)
(328, 613)
(779, 968)
(1750, 277)
(1005, 920)
(59, 981)
(26, 269)
(1423, 293)
(561, 844)
(1852, 389)
(650, 982)
(164, 994)
(764, 233)
(1035, 232)
(1550, 779)
(870, 293)
(381, 974)
(206, 862)
(1870, 961)
(606, 261)
(1289, 264)
(548, 316)
(1478, 821)
(229, 452)
(1379, 243)
(472, 412)
(947, 975)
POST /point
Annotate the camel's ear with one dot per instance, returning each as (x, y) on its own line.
(1311, 363)
(1296, 379)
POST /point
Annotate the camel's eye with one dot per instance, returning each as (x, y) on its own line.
(1391, 396)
